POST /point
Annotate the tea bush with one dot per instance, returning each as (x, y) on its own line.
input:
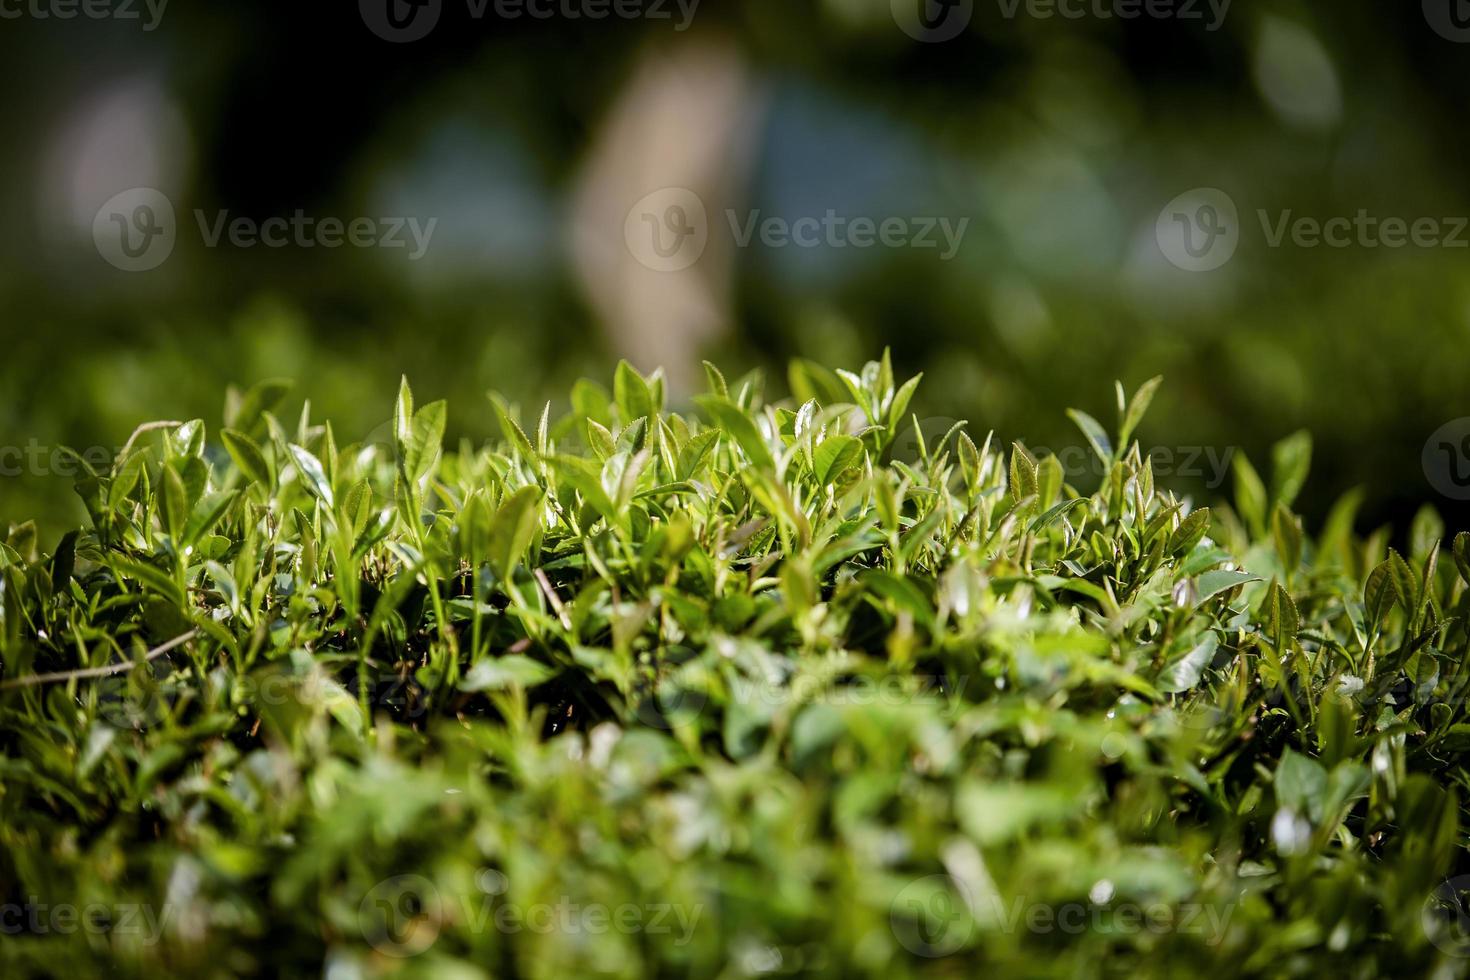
(739, 692)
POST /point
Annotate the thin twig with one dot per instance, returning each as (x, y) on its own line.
(556, 603)
(145, 427)
(68, 675)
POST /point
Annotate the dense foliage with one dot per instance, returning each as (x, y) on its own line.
(640, 693)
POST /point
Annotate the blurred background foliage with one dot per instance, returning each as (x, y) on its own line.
(529, 140)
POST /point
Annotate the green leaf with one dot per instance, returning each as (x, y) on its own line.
(1023, 482)
(500, 673)
(717, 384)
(514, 434)
(812, 381)
(247, 413)
(900, 405)
(22, 538)
(883, 384)
(585, 477)
(403, 415)
(694, 452)
(1425, 533)
(1286, 531)
(740, 427)
(1381, 592)
(224, 583)
(208, 512)
(1097, 436)
(1211, 584)
(1190, 531)
(63, 563)
(1337, 531)
(1301, 784)
(859, 393)
(834, 457)
(632, 394)
(1054, 513)
(1049, 480)
(357, 508)
(150, 578)
(1406, 583)
(903, 594)
(1137, 409)
(248, 457)
(1185, 673)
(126, 480)
(1291, 459)
(312, 474)
(1282, 620)
(1250, 494)
(175, 502)
(420, 450)
(512, 529)
(1462, 555)
(600, 439)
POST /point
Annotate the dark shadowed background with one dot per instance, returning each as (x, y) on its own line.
(1024, 200)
